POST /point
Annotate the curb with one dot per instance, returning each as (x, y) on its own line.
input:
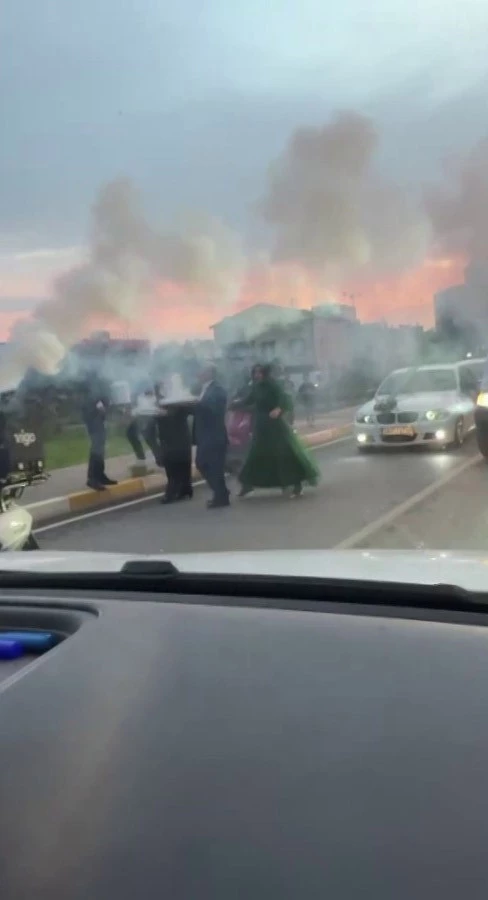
(132, 488)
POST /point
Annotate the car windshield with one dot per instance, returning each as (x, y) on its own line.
(419, 381)
(477, 368)
(222, 226)
(484, 376)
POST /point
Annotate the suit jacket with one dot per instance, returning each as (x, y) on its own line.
(209, 419)
(174, 434)
(96, 390)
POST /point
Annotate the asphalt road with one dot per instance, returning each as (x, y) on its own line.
(356, 493)
(454, 518)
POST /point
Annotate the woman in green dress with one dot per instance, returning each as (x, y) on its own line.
(277, 457)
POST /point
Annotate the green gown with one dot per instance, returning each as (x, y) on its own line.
(277, 458)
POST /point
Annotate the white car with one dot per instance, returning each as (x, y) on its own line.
(421, 405)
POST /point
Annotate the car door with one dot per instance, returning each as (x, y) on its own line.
(468, 384)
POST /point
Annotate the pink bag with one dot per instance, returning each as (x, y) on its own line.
(239, 427)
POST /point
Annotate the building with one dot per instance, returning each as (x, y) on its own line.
(246, 326)
(260, 333)
(326, 340)
(379, 348)
(204, 349)
(336, 311)
(319, 339)
(464, 307)
(118, 357)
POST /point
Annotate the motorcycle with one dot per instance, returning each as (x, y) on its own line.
(16, 522)
(21, 465)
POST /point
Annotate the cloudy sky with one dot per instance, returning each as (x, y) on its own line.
(194, 100)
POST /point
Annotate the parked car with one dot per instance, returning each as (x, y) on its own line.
(481, 413)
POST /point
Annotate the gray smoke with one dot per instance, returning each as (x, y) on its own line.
(206, 257)
(202, 255)
(126, 257)
(332, 220)
(329, 210)
(108, 285)
(458, 207)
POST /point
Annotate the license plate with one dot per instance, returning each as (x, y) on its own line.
(400, 430)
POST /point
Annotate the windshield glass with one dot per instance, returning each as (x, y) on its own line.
(222, 226)
(476, 367)
(484, 376)
(419, 381)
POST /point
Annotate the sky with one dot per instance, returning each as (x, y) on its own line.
(194, 101)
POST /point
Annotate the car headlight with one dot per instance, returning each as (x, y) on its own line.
(364, 419)
(482, 399)
(433, 415)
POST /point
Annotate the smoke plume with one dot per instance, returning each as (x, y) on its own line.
(126, 257)
(459, 207)
(206, 257)
(203, 255)
(329, 210)
(108, 285)
(334, 225)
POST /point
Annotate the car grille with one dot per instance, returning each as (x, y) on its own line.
(402, 418)
(398, 438)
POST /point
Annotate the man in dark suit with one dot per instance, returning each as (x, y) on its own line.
(175, 443)
(210, 436)
(95, 405)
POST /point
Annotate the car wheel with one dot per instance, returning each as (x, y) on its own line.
(31, 543)
(459, 433)
(363, 449)
(482, 440)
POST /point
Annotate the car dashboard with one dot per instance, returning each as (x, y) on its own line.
(228, 746)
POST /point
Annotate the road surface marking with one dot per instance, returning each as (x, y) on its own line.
(117, 506)
(44, 502)
(387, 518)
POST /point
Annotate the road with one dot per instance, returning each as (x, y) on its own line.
(356, 502)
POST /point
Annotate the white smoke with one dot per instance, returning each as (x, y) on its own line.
(329, 210)
(204, 256)
(458, 207)
(109, 284)
(126, 257)
(32, 346)
(333, 220)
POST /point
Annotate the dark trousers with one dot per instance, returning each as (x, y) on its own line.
(150, 434)
(133, 436)
(96, 460)
(309, 408)
(210, 461)
(151, 437)
(178, 475)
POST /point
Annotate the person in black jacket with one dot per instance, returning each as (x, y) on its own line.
(306, 394)
(94, 412)
(175, 448)
(210, 436)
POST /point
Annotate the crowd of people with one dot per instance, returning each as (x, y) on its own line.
(258, 421)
